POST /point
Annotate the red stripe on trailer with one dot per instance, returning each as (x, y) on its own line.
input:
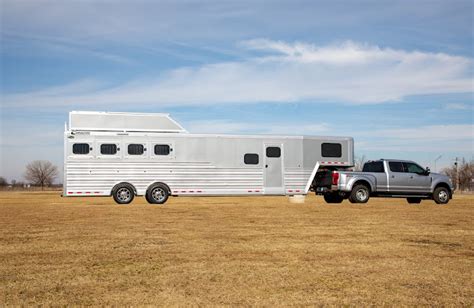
(249, 191)
(297, 190)
(290, 190)
(183, 191)
(199, 191)
(191, 191)
(257, 191)
(87, 192)
(96, 192)
(69, 193)
(79, 192)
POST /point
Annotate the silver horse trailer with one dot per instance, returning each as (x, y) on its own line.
(124, 155)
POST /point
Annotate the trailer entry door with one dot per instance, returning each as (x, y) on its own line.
(273, 169)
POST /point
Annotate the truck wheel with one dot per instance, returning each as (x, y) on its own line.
(157, 194)
(359, 194)
(123, 194)
(441, 195)
(413, 200)
(333, 198)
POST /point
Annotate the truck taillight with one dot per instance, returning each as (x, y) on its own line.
(335, 178)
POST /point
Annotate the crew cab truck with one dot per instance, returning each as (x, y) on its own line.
(383, 178)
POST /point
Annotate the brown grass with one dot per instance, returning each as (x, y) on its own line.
(234, 251)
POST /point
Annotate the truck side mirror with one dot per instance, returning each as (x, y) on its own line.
(427, 171)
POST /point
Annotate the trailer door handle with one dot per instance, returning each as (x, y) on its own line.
(266, 166)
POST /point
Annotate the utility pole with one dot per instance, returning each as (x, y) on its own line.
(457, 173)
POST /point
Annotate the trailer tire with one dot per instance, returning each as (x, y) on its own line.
(413, 200)
(359, 194)
(157, 194)
(441, 195)
(333, 198)
(123, 193)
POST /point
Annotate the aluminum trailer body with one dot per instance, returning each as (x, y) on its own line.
(102, 151)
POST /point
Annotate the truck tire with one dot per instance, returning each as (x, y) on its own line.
(441, 195)
(157, 194)
(359, 194)
(333, 198)
(123, 193)
(413, 200)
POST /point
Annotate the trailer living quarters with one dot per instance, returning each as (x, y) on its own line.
(130, 154)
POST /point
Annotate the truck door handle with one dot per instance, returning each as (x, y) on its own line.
(393, 176)
(411, 177)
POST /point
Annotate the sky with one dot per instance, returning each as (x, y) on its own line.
(395, 75)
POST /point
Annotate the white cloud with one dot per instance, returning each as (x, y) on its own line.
(349, 73)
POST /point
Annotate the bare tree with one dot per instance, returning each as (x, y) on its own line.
(463, 173)
(3, 181)
(359, 162)
(41, 172)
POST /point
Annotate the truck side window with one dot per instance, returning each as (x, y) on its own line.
(376, 166)
(80, 148)
(413, 168)
(331, 150)
(396, 166)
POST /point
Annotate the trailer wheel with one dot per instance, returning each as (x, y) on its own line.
(441, 195)
(413, 200)
(359, 194)
(123, 193)
(157, 194)
(333, 198)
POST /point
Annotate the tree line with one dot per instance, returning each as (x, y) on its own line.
(40, 173)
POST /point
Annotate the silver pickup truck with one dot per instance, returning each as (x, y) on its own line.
(383, 178)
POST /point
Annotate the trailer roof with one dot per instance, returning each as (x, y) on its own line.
(123, 122)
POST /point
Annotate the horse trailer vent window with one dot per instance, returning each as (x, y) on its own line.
(108, 149)
(331, 150)
(162, 149)
(273, 152)
(80, 148)
(135, 149)
(251, 159)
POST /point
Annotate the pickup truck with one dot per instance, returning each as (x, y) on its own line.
(383, 178)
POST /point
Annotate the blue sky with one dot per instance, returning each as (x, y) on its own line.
(395, 75)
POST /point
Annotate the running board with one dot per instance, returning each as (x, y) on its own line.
(403, 196)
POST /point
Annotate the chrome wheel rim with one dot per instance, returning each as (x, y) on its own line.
(124, 194)
(361, 194)
(443, 196)
(158, 194)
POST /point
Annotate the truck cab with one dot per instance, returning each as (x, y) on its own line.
(384, 178)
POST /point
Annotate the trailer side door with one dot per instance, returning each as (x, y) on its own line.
(273, 168)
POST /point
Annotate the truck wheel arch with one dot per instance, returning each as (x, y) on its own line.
(445, 185)
(362, 182)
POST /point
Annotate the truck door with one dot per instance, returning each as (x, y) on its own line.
(273, 175)
(419, 181)
(399, 180)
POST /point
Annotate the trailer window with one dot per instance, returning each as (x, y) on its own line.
(251, 159)
(396, 166)
(135, 149)
(331, 150)
(162, 149)
(376, 166)
(80, 148)
(108, 149)
(273, 152)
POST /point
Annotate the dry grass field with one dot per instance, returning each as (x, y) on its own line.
(234, 251)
